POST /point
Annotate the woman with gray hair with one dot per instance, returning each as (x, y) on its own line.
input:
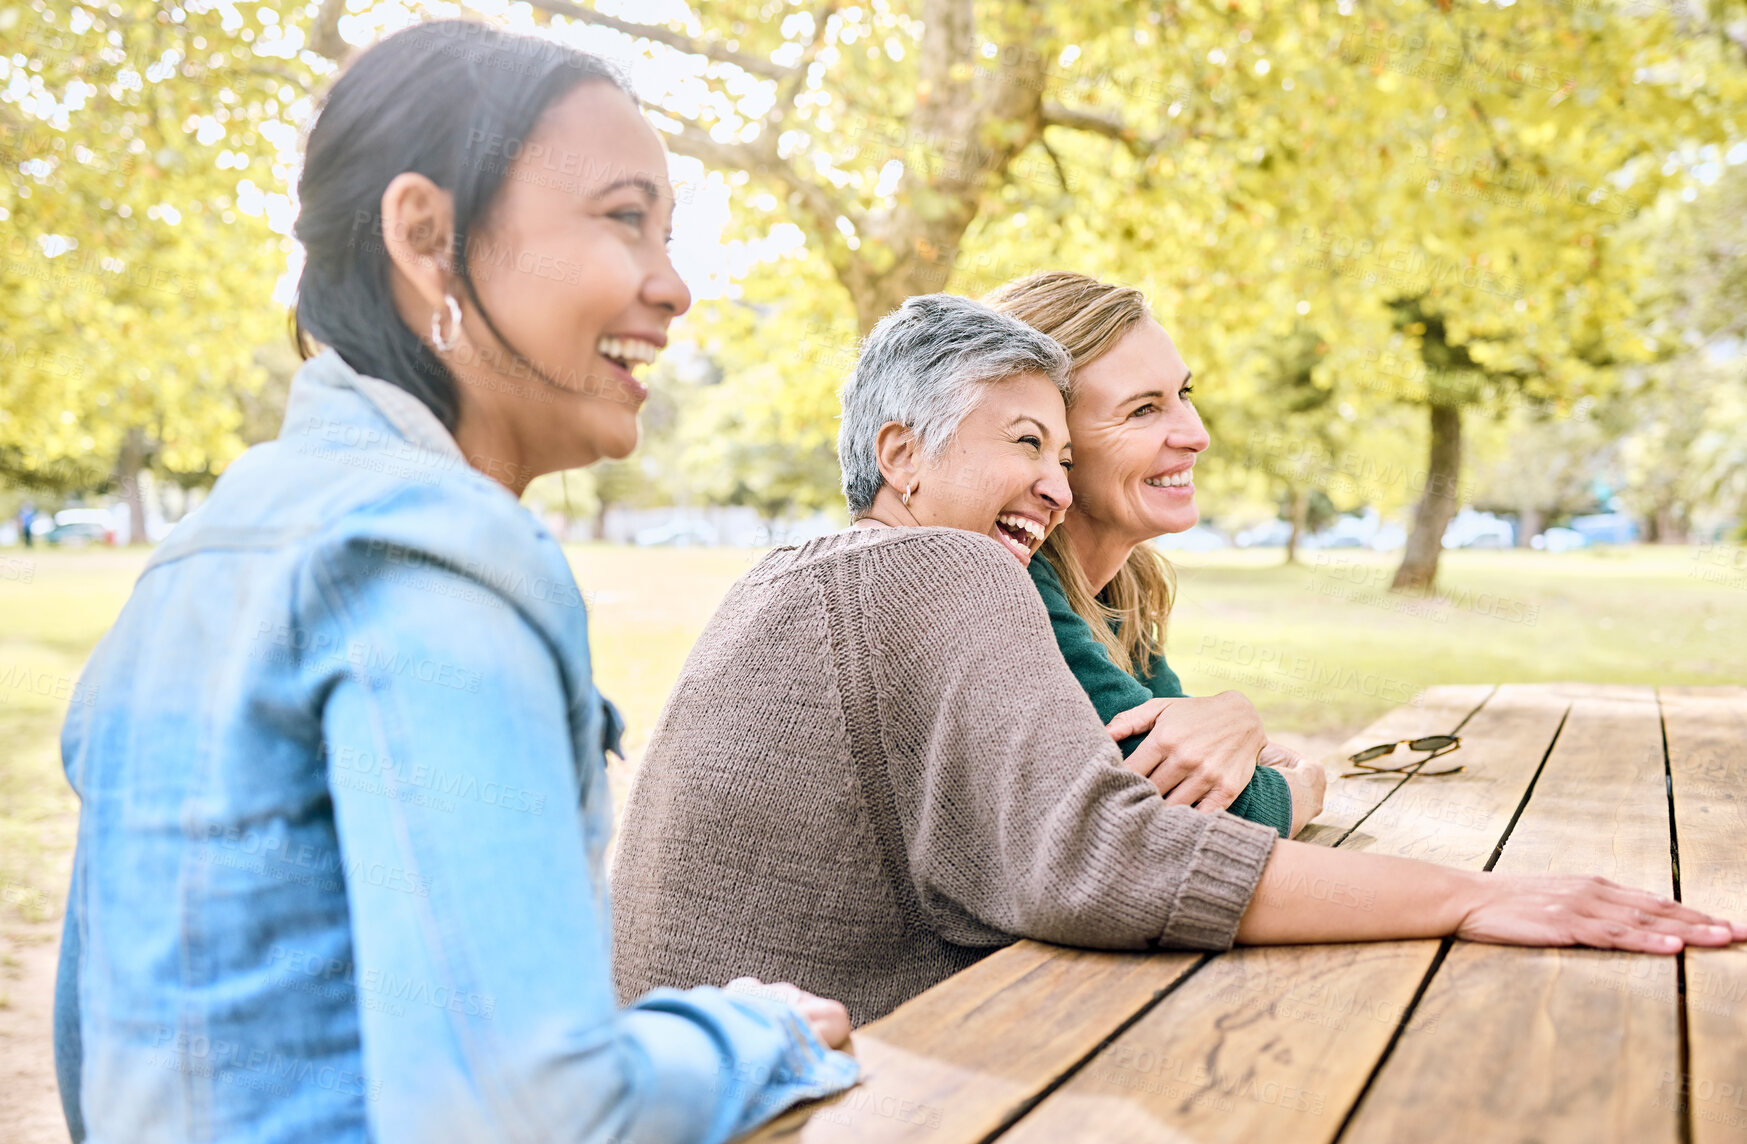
(876, 767)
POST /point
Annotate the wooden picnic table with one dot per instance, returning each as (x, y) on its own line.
(1384, 1041)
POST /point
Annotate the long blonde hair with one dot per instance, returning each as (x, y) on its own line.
(1088, 317)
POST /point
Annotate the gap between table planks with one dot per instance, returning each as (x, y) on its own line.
(1707, 772)
(1270, 1043)
(1554, 1044)
(974, 1053)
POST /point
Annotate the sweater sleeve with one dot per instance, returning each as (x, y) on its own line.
(1015, 816)
(1267, 799)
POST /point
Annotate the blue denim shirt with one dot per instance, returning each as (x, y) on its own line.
(340, 868)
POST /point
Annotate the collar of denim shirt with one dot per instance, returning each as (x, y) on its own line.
(410, 416)
(415, 421)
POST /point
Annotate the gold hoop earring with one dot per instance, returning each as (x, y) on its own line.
(444, 345)
(906, 497)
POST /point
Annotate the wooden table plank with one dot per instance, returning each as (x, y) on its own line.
(1434, 711)
(1549, 1044)
(1707, 765)
(966, 1057)
(1276, 1043)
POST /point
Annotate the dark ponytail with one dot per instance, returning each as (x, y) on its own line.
(452, 100)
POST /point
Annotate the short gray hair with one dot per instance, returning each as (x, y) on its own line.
(923, 366)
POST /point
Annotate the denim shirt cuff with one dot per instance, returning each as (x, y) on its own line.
(612, 729)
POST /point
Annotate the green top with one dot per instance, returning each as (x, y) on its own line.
(1267, 800)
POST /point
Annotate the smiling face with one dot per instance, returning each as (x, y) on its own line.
(1136, 437)
(1005, 472)
(572, 266)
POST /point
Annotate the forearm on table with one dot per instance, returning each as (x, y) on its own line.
(1314, 893)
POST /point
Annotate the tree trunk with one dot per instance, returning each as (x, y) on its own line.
(600, 518)
(1419, 566)
(1670, 528)
(1529, 522)
(133, 452)
(1300, 515)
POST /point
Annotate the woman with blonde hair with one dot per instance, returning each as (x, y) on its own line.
(875, 768)
(1108, 591)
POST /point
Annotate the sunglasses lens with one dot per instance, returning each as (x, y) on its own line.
(1370, 753)
(1433, 743)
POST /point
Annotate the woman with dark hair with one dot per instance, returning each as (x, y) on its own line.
(344, 803)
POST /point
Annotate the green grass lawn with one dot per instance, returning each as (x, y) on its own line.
(1321, 647)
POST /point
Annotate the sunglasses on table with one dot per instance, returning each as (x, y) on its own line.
(1435, 744)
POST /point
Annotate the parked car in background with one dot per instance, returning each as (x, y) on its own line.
(678, 534)
(1389, 538)
(1605, 528)
(1268, 534)
(80, 526)
(1472, 529)
(1558, 540)
(1198, 539)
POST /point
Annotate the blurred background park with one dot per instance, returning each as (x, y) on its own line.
(1462, 285)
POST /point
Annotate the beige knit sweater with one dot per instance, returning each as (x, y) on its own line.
(876, 769)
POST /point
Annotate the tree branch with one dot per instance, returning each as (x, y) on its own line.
(790, 88)
(1491, 135)
(1061, 172)
(1074, 119)
(660, 35)
(761, 158)
(324, 38)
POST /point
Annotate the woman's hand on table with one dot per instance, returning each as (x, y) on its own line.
(1313, 893)
(829, 1019)
(1539, 910)
(1307, 782)
(1198, 752)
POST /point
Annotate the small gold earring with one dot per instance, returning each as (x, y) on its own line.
(906, 497)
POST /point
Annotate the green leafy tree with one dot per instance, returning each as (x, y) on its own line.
(142, 147)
